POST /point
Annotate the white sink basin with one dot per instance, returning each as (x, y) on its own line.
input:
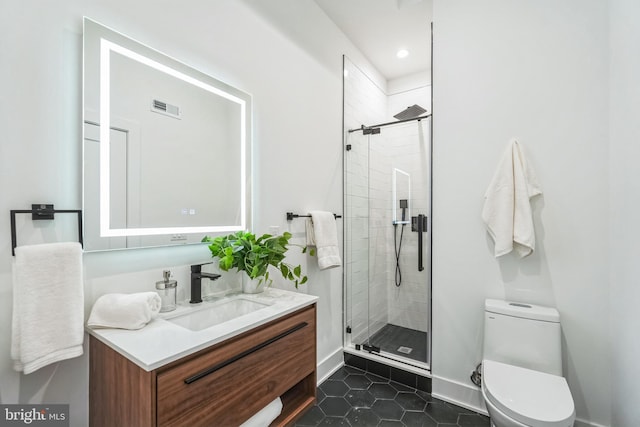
(217, 313)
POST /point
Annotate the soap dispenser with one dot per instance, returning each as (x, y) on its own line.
(167, 291)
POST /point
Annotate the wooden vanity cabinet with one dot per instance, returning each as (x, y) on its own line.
(223, 385)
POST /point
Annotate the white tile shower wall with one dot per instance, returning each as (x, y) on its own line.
(407, 148)
(365, 103)
(379, 243)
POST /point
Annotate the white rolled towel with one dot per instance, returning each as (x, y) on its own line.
(124, 311)
(265, 416)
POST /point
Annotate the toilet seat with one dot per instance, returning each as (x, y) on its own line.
(534, 398)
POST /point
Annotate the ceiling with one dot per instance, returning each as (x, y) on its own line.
(379, 28)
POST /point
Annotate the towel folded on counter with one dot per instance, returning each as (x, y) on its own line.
(48, 305)
(265, 416)
(507, 212)
(324, 233)
(124, 311)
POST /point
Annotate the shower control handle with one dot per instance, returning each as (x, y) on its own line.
(414, 223)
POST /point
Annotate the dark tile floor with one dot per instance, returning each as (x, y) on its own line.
(351, 397)
(401, 341)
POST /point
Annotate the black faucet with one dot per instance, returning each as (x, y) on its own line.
(196, 278)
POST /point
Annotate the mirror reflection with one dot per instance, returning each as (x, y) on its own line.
(165, 147)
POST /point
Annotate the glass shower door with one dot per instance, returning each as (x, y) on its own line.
(388, 242)
(356, 220)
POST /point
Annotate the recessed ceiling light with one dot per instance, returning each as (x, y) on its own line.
(402, 53)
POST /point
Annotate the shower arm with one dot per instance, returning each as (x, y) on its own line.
(363, 127)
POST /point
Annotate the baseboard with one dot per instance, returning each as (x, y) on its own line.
(471, 398)
(459, 394)
(583, 423)
(330, 364)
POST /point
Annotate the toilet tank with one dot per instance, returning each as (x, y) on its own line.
(524, 335)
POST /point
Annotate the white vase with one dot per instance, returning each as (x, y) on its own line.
(252, 286)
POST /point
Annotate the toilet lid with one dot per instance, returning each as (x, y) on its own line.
(534, 398)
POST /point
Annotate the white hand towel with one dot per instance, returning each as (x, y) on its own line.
(507, 208)
(124, 311)
(48, 305)
(325, 233)
(265, 416)
(311, 237)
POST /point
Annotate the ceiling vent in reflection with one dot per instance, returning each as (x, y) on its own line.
(162, 107)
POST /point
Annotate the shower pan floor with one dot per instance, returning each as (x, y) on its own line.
(401, 341)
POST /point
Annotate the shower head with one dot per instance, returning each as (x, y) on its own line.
(410, 112)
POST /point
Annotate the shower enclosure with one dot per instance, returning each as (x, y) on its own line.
(387, 175)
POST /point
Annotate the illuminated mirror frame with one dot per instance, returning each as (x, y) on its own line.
(159, 61)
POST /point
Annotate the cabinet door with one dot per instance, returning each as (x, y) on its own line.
(230, 383)
(120, 392)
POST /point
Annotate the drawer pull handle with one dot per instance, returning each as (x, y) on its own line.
(245, 353)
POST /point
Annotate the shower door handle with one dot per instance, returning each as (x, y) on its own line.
(421, 223)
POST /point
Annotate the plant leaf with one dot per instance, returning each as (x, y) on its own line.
(246, 252)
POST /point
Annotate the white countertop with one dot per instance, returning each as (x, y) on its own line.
(161, 341)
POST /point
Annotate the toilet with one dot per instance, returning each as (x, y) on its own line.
(522, 382)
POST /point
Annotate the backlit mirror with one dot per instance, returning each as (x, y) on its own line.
(166, 147)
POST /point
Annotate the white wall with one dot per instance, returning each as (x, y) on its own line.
(537, 71)
(624, 202)
(297, 109)
(409, 83)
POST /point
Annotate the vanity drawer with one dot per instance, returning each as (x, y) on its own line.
(227, 384)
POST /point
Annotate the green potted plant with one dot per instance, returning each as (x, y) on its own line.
(253, 255)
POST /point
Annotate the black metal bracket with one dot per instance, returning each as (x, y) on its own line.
(291, 216)
(371, 348)
(41, 212)
(370, 131)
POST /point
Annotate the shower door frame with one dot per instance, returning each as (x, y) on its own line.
(422, 368)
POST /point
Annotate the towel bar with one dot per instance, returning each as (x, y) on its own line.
(291, 215)
(39, 212)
